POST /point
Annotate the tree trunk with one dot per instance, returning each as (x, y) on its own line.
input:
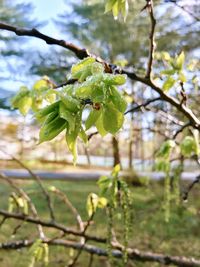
(116, 155)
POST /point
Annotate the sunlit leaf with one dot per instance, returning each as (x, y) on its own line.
(112, 119)
(117, 99)
(180, 60)
(51, 129)
(92, 118)
(168, 83)
(67, 115)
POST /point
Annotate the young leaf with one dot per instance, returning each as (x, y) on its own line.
(168, 72)
(115, 9)
(188, 146)
(182, 77)
(71, 139)
(25, 104)
(165, 149)
(99, 125)
(180, 61)
(104, 183)
(109, 5)
(51, 129)
(83, 135)
(41, 85)
(112, 119)
(92, 118)
(84, 90)
(102, 202)
(67, 115)
(83, 63)
(168, 83)
(117, 99)
(70, 102)
(47, 110)
(22, 93)
(97, 68)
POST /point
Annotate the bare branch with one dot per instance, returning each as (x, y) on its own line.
(186, 193)
(51, 224)
(27, 198)
(38, 180)
(133, 254)
(143, 105)
(71, 206)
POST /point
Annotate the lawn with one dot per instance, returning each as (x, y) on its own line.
(149, 230)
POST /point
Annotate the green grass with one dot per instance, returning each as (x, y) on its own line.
(149, 230)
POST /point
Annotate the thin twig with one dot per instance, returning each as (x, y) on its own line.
(38, 180)
(71, 206)
(51, 224)
(27, 198)
(191, 185)
(143, 105)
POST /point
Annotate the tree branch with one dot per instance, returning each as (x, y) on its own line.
(81, 53)
(151, 38)
(38, 180)
(143, 105)
(50, 224)
(133, 254)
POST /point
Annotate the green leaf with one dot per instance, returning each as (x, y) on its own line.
(70, 102)
(117, 99)
(168, 83)
(109, 5)
(47, 110)
(92, 118)
(165, 56)
(97, 94)
(116, 170)
(102, 202)
(124, 8)
(83, 69)
(41, 85)
(79, 66)
(67, 115)
(111, 79)
(166, 148)
(182, 77)
(115, 10)
(84, 90)
(104, 183)
(112, 119)
(25, 104)
(168, 72)
(83, 135)
(180, 61)
(162, 165)
(97, 68)
(189, 146)
(51, 129)
(71, 139)
(99, 125)
(22, 93)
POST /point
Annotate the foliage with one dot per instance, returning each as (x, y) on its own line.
(93, 86)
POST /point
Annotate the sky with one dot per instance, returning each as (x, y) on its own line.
(44, 11)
